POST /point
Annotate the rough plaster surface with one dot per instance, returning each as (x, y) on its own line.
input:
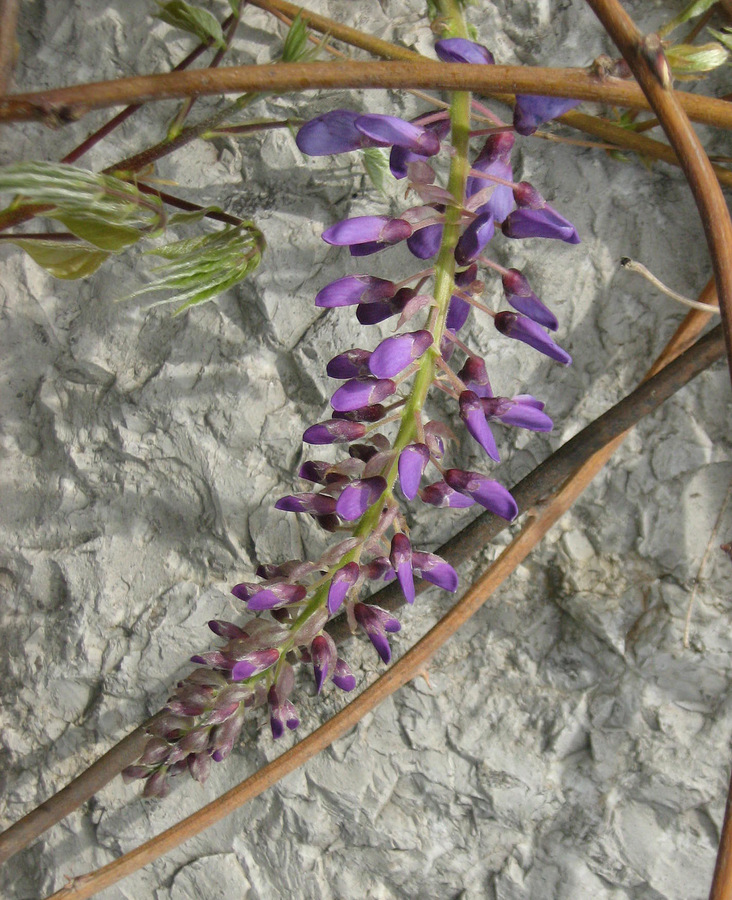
(566, 746)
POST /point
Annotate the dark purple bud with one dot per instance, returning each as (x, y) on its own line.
(253, 663)
(425, 242)
(522, 329)
(245, 590)
(467, 276)
(214, 658)
(199, 765)
(494, 159)
(373, 413)
(225, 629)
(544, 223)
(461, 50)
(522, 411)
(457, 314)
(521, 297)
(275, 595)
(342, 676)
(412, 462)
(434, 569)
(314, 470)
(474, 238)
(156, 750)
(400, 158)
(350, 364)
(394, 354)
(354, 289)
(317, 504)
(333, 132)
(379, 567)
(532, 110)
(281, 713)
(157, 785)
(475, 378)
(132, 773)
(367, 230)
(334, 431)
(377, 622)
(363, 452)
(358, 496)
(490, 494)
(471, 412)
(341, 584)
(323, 655)
(223, 737)
(390, 130)
(527, 196)
(360, 392)
(195, 741)
(373, 313)
(401, 561)
(217, 716)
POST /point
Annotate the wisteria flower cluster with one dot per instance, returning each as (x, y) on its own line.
(396, 452)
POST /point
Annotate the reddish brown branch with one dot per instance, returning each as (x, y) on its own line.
(8, 26)
(62, 105)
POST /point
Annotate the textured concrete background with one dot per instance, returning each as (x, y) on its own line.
(566, 745)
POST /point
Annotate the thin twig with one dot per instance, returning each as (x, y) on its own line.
(632, 265)
(125, 114)
(709, 349)
(61, 105)
(8, 26)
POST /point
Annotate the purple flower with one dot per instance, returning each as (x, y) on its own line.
(494, 159)
(412, 462)
(425, 242)
(521, 297)
(281, 712)
(225, 630)
(545, 223)
(340, 584)
(390, 130)
(323, 654)
(274, 595)
(401, 561)
(443, 496)
(253, 663)
(316, 504)
(373, 413)
(358, 496)
(394, 354)
(350, 364)
(474, 238)
(494, 496)
(522, 329)
(354, 289)
(434, 569)
(399, 158)
(359, 392)
(367, 230)
(532, 110)
(523, 411)
(457, 314)
(475, 378)
(471, 412)
(377, 623)
(342, 676)
(334, 431)
(461, 50)
(315, 470)
(224, 736)
(333, 132)
(373, 313)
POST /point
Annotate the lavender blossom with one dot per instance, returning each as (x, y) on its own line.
(377, 623)
(340, 584)
(392, 131)
(461, 50)
(474, 239)
(275, 595)
(490, 494)
(471, 412)
(354, 289)
(494, 159)
(457, 314)
(316, 504)
(412, 462)
(441, 495)
(333, 132)
(359, 392)
(522, 329)
(367, 230)
(323, 654)
(545, 223)
(434, 569)
(532, 110)
(425, 242)
(334, 431)
(253, 663)
(521, 297)
(342, 676)
(475, 378)
(351, 364)
(394, 354)
(523, 411)
(357, 497)
(401, 561)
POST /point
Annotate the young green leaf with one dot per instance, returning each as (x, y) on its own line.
(376, 163)
(296, 41)
(694, 9)
(201, 268)
(196, 21)
(724, 36)
(694, 60)
(63, 259)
